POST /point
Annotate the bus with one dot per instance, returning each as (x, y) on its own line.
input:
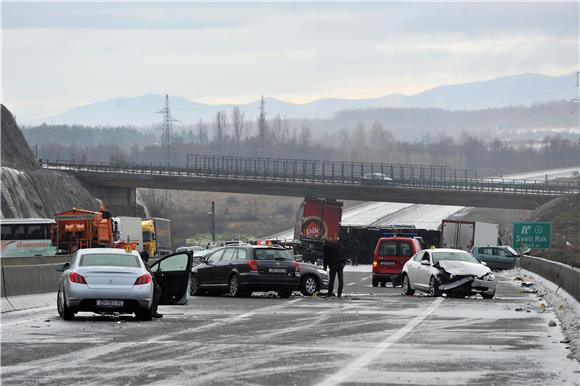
(24, 237)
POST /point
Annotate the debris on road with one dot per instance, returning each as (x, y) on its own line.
(552, 323)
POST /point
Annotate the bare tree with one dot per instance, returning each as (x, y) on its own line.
(305, 135)
(202, 132)
(262, 124)
(277, 129)
(219, 125)
(238, 123)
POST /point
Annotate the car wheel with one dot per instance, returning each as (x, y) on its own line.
(285, 294)
(375, 282)
(434, 287)
(309, 285)
(234, 286)
(488, 296)
(407, 290)
(144, 314)
(194, 285)
(63, 310)
(396, 282)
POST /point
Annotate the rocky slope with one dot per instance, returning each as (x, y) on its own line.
(28, 190)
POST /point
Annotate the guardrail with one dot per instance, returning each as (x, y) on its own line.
(564, 276)
(325, 172)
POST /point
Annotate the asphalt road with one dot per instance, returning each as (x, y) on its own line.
(373, 335)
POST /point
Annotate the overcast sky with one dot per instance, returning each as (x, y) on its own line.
(56, 56)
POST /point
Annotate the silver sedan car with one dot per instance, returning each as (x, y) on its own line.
(451, 271)
(107, 280)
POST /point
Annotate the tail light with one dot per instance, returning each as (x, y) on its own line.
(375, 263)
(143, 279)
(296, 266)
(253, 265)
(77, 278)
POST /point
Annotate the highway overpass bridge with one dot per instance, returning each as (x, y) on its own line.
(116, 183)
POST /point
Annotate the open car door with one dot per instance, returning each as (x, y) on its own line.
(172, 273)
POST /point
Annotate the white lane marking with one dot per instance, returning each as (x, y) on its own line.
(378, 349)
(353, 283)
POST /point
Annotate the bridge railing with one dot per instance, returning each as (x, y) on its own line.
(327, 172)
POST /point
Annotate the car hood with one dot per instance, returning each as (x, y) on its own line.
(463, 268)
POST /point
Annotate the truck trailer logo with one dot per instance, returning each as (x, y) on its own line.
(314, 228)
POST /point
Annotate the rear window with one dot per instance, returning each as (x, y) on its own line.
(113, 260)
(271, 254)
(388, 248)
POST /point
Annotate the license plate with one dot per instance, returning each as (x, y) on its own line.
(277, 270)
(390, 263)
(109, 303)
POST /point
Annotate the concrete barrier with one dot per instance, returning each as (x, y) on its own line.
(29, 279)
(564, 276)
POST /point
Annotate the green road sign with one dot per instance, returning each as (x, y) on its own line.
(535, 235)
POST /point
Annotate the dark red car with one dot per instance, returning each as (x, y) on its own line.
(391, 253)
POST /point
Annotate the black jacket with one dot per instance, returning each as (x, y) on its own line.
(333, 254)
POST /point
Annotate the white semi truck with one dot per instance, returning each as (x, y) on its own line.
(467, 234)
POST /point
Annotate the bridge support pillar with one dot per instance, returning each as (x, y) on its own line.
(120, 201)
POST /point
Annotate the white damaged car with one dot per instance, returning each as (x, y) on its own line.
(451, 271)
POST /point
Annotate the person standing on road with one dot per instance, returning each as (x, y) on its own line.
(334, 258)
(156, 292)
(354, 250)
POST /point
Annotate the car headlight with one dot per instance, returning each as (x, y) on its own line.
(489, 276)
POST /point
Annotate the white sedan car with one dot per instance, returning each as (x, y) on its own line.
(111, 280)
(451, 271)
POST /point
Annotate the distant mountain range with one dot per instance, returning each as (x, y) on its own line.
(522, 89)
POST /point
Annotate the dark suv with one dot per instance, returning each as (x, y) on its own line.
(242, 269)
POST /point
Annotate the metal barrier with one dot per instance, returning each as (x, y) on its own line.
(325, 172)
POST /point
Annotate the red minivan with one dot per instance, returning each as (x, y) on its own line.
(391, 253)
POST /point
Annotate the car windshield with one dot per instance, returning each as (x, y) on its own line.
(271, 254)
(114, 260)
(454, 256)
(511, 251)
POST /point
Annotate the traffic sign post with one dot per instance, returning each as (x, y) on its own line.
(535, 235)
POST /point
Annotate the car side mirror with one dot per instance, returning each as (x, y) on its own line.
(425, 262)
(62, 267)
(298, 258)
(483, 263)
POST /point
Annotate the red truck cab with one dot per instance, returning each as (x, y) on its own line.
(391, 253)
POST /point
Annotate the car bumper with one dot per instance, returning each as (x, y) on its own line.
(469, 284)
(387, 276)
(259, 282)
(80, 297)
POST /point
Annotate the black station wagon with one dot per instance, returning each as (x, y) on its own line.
(242, 269)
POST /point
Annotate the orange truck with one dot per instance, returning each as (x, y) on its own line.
(79, 228)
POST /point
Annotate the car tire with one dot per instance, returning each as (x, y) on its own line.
(375, 282)
(285, 294)
(434, 287)
(63, 310)
(488, 296)
(145, 314)
(383, 283)
(234, 286)
(407, 290)
(194, 285)
(309, 285)
(396, 282)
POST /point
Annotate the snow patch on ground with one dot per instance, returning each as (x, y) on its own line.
(564, 305)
